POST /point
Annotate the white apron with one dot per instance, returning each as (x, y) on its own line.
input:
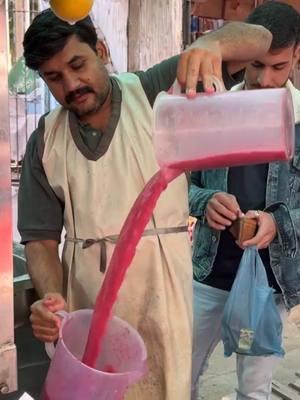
(156, 296)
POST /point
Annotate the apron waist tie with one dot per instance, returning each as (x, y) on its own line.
(86, 243)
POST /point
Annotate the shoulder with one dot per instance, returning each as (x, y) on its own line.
(158, 78)
(125, 78)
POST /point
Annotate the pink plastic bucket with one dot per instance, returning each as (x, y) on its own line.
(123, 357)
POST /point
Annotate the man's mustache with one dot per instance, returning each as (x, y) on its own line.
(78, 92)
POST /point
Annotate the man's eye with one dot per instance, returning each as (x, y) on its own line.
(54, 78)
(279, 68)
(255, 65)
(77, 66)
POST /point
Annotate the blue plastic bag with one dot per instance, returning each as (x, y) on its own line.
(251, 324)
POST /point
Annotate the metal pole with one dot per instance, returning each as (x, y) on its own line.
(8, 361)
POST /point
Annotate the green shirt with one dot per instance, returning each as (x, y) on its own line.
(40, 212)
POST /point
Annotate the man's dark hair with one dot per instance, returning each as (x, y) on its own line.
(281, 19)
(47, 35)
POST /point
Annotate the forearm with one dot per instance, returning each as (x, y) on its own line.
(239, 43)
(44, 266)
(242, 42)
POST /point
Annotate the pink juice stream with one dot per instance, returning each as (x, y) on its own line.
(133, 229)
(123, 254)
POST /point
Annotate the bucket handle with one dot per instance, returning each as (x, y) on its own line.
(219, 85)
(50, 346)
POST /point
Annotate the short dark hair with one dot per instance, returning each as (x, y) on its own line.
(281, 19)
(48, 34)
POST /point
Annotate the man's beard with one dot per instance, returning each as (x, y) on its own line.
(81, 110)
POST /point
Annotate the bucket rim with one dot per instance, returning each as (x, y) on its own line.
(125, 324)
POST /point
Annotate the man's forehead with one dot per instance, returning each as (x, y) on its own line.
(73, 46)
(277, 56)
(74, 49)
(284, 50)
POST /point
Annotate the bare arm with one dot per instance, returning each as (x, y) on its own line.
(241, 42)
(237, 43)
(45, 270)
(44, 266)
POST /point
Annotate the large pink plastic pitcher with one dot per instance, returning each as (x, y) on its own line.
(223, 129)
(122, 361)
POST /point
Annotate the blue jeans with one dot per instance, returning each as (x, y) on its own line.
(254, 374)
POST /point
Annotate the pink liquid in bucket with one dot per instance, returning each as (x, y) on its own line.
(122, 361)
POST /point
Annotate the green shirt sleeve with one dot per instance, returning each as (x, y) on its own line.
(158, 78)
(161, 77)
(231, 80)
(40, 212)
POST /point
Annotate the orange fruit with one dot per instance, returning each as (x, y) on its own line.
(71, 10)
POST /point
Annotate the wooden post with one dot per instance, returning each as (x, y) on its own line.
(154, 32)
(112, 17)
(8, 354)
(22, 22)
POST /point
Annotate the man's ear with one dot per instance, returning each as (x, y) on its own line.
(102, 51)
(296, 57)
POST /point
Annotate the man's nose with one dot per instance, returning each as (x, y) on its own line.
(71, 83)
(264, 79)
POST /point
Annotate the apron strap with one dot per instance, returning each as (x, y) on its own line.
(86, 243)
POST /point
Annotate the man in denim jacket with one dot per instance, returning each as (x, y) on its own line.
(218, 197)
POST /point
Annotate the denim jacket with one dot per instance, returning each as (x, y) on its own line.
(282, 200)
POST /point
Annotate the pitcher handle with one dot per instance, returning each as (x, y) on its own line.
(50, 346)
(219, 85)
(176, 89)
